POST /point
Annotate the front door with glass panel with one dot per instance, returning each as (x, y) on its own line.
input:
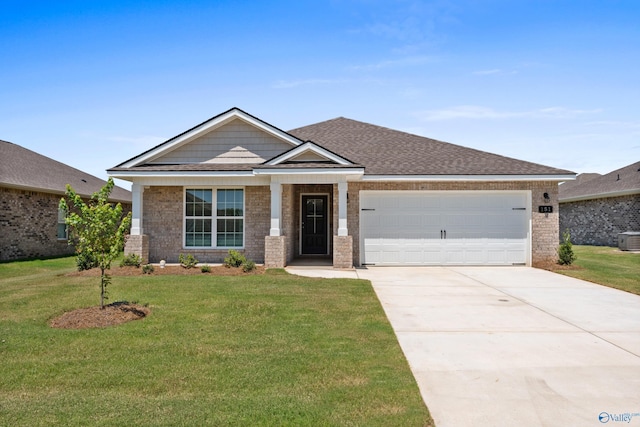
(314, 224)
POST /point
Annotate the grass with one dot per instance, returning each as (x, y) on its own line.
(260, 350)
(607, 266)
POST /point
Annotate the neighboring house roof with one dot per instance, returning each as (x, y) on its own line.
(580, 179)
(620, 182)
(27, 170)
(342, 144)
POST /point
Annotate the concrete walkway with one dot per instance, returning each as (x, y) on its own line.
(512, 346)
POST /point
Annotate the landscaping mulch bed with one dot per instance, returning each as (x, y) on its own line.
(96, 317)
(554, 266)
(216, 270)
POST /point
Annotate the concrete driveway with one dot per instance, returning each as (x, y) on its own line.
(514, 346)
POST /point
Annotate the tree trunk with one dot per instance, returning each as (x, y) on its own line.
(102, 286)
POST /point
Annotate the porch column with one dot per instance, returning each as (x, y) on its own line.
(342, 209)
(275, 244)
(276, 208)
(137, 243)
(137, 191)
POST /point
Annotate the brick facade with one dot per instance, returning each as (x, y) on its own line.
(138, 245)
(275, 251)
(163, 216)
(163, 220)
(29, 225)
(599, 221)
(342, 251)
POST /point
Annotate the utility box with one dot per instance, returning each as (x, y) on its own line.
(629, 241)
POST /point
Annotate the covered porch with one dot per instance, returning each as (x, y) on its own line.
(309, 224)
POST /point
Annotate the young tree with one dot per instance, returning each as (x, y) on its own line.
(97, 229)
(565, 251)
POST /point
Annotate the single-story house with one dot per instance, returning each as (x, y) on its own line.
(352, 192)
(596, 208)
(31, 185)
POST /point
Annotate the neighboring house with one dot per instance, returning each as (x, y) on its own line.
(31, 186)
(600, 207)
(353, 192)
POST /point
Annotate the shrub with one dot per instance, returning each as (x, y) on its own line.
(147, 269)
(235, 259)
(85, 261)
(565, 251)
(187, 261)
(131, 260)
(248, 266)
(205, 268)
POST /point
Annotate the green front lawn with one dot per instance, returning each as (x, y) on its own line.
(270, 349)
(606, 266)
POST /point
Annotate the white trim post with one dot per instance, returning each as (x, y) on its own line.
(276, 208)
(137, 192)
(342, 209)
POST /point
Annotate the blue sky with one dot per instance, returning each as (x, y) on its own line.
(94, 83)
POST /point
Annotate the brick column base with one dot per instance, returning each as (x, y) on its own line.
(342, 251)
(275, 251)
(139, 245)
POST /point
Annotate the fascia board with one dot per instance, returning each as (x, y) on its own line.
(310, 171)
(600, 196)
(207, 127)
(308, 146)
(183, 174)
(499, 178)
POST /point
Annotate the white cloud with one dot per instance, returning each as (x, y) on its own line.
(480, 112)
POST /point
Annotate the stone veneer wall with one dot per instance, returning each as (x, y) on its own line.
(29, 225)
(544, 226)
(599, 221)
(163, 222)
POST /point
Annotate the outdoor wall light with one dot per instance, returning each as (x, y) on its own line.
(546, 197)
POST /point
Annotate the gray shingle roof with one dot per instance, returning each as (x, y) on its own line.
(625, 180)
(580, 179)
(385, 151)
(381, 151)
(24, 169)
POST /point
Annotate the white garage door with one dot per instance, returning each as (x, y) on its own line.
(439, 228)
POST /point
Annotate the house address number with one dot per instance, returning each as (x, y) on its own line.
(545, 209)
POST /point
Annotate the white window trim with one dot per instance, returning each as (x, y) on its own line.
(66, 227)
(214, 217)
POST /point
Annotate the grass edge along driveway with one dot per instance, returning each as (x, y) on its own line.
(606, 266)
(272, 349)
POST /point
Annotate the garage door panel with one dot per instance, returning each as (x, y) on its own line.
(425, 228)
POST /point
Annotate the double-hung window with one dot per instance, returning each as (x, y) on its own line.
(62, 225)
(214, 218)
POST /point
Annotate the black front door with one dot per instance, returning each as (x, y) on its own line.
(314, 225)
